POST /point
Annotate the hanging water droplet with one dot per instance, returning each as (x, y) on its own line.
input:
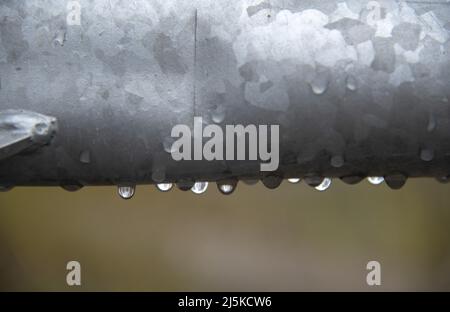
(199, 187)
(294, 180)
(337, 161)
(85, 157)
(352, 179)
(320, 83)
(272, 182)
(226, 187)
(395, 181)
(426, 154)
(72, 187)
(351, 83)
(375, 180)
(126, 191)
(164, 187)
(313, 181)
(326, 183)
(218, 115)
(185, 185)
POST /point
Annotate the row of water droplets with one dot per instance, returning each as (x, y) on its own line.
(127, 191)
(320, 184)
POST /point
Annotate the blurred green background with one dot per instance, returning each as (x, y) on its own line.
(289, 239)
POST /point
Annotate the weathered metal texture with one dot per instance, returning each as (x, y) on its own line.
(358, 87)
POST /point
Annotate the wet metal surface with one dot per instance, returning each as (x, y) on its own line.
(359, 88)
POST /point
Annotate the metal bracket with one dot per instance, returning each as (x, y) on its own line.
(22, 130)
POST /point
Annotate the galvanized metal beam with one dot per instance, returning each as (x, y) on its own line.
(358, 88)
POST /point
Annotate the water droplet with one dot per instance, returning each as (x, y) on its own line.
(351, 83)
(6, 188)
(313, 181)
(199, 187)
(337, 161)
(320, 83)
(60, 38)
(431, 123)
(85, 157)
(164, 187)
(272, 182)
(426, 154)
(294, 180)
(375, 180)
(326, 183)
(72, 187)
(395, 181)
(168, 144)
(352, 179)
(126, 191)
(226, 187)
(218, 115)
(185, 185)
(444, 179)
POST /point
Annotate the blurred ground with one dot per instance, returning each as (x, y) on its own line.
(293, 238)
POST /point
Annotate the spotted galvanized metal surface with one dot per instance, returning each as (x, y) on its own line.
(359, 88)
